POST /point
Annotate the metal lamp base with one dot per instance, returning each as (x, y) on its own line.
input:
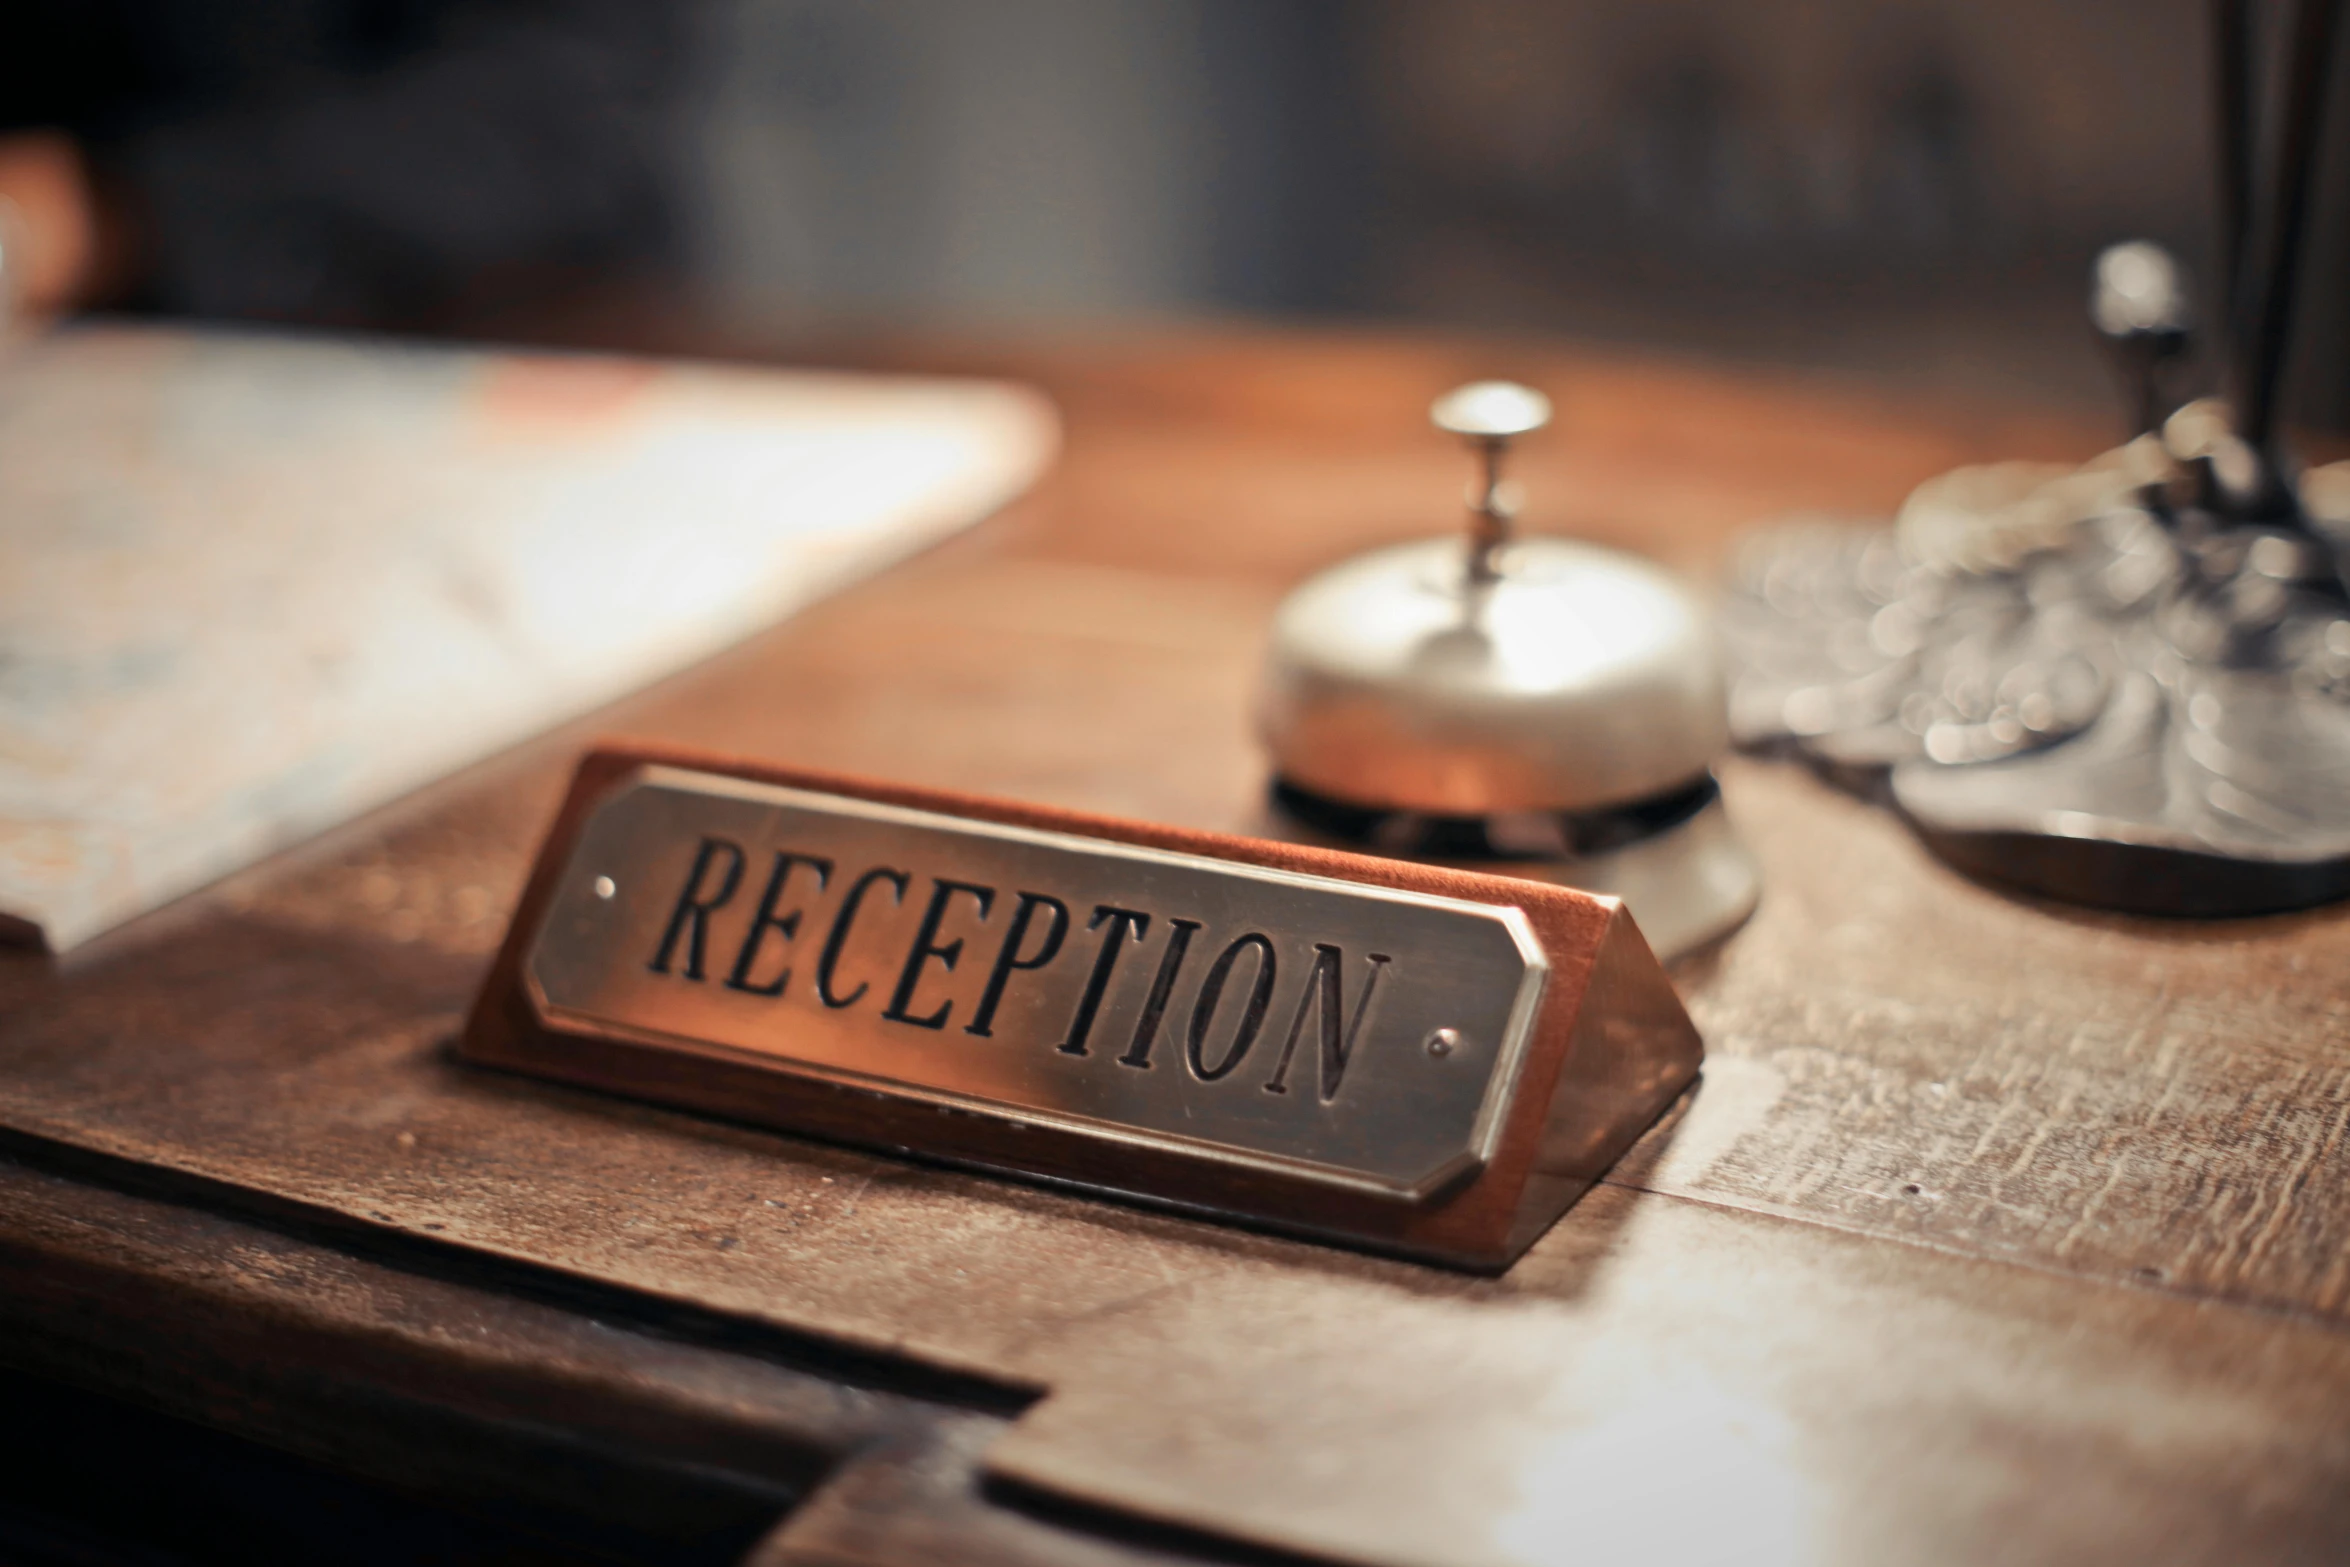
(2111, 688)
(2123, 817)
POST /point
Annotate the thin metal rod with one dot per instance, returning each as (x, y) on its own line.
(2284, 214)
(2231, 99)
(1489, 516)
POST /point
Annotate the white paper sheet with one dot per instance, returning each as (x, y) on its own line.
(252, 585)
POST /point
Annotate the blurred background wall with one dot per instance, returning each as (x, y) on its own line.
(1913, 187)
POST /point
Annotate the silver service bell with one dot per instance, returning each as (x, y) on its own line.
(1529, 706)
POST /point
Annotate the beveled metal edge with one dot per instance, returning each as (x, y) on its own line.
(1484, 1133)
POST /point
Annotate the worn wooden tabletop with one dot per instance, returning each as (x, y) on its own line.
(1996, 1231)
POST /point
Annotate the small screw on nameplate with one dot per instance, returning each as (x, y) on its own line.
(1444, 1042)
(606, 887)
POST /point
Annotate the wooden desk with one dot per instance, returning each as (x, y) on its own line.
(1996, 1231)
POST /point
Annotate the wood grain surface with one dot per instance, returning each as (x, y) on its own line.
(1994, 1231)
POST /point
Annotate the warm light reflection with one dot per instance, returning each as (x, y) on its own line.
(1692, 1475)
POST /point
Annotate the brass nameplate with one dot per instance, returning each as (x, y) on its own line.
(1420, 1060)
(1353, 1035)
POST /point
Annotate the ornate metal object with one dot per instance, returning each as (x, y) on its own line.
(2126, 684)
(1417, 1060)
(1533, 706)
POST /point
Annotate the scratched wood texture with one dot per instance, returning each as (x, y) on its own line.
(1995, 1230)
